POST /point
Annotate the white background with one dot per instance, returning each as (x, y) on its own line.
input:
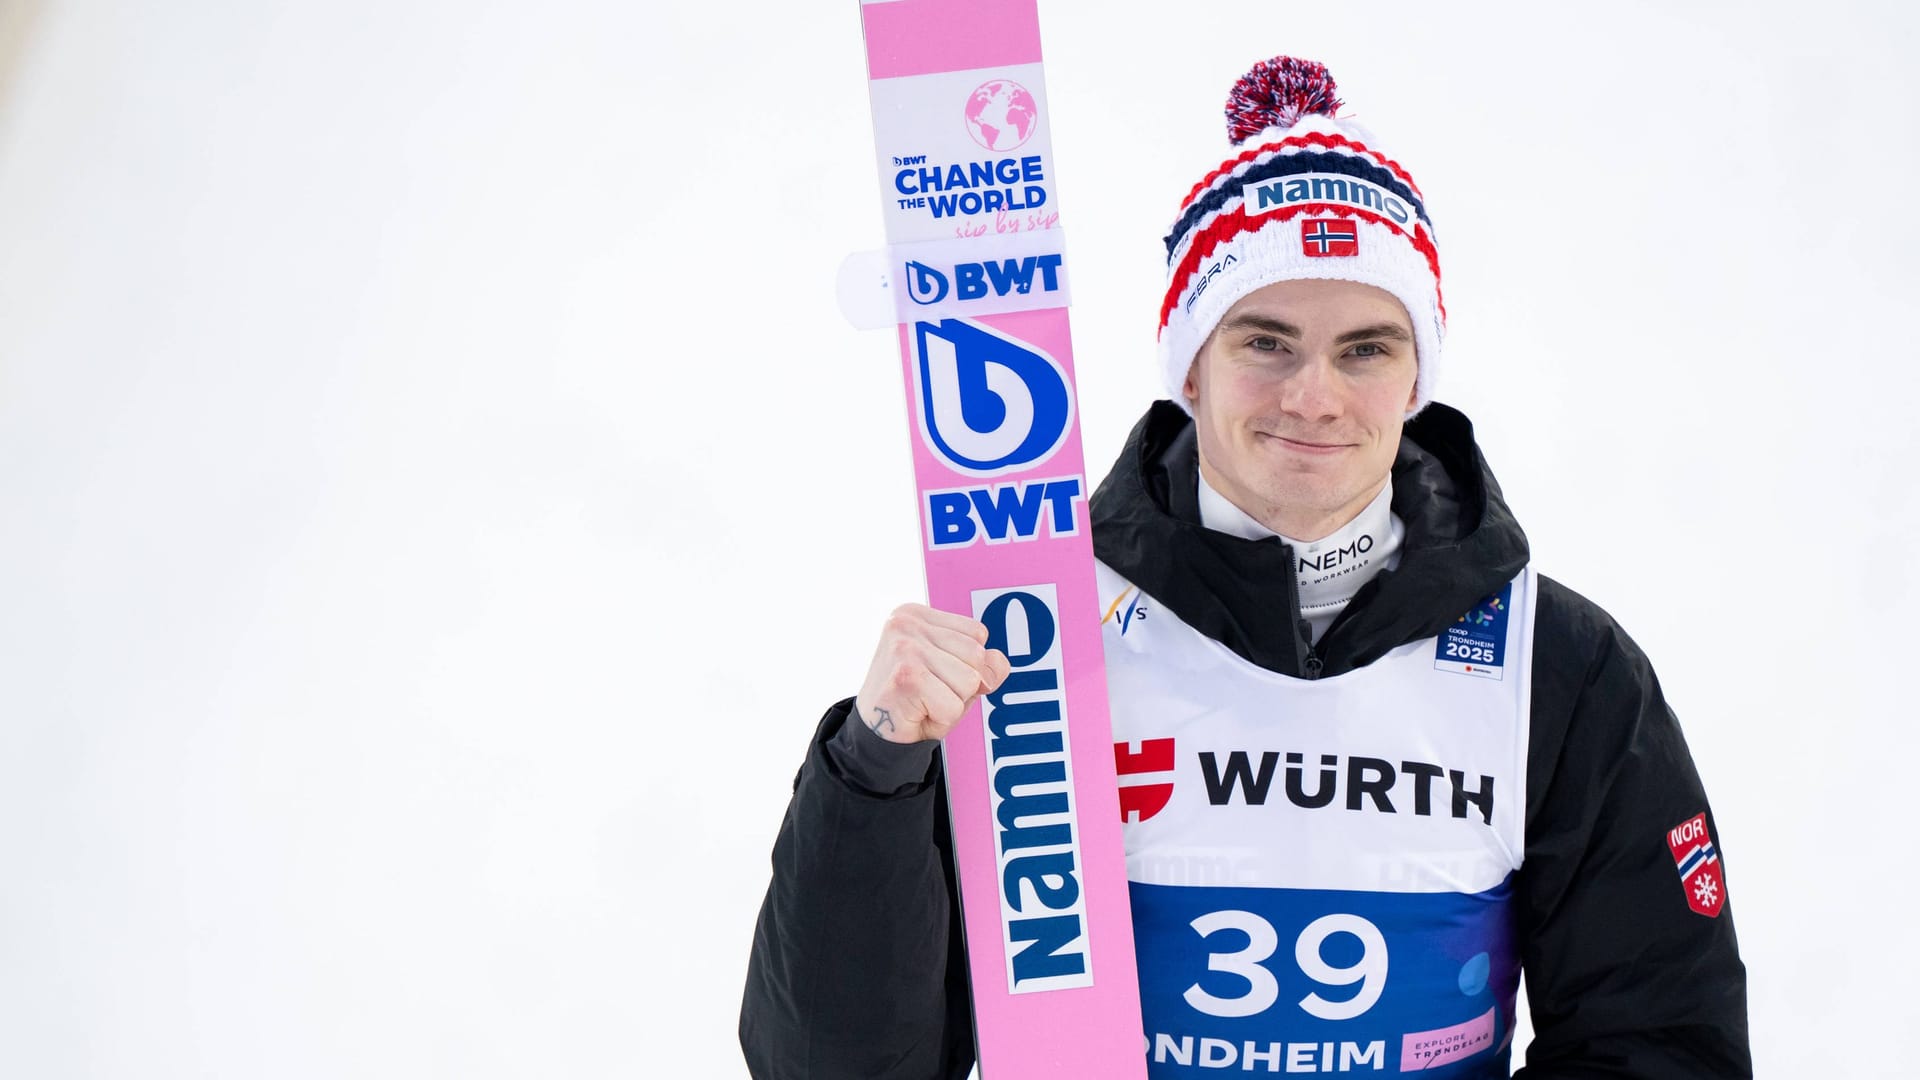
(438, 495)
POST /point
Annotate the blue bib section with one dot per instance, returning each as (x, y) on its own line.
(1359, 982)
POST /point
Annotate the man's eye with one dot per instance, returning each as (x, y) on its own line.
(1264, 344)
(1368, 349)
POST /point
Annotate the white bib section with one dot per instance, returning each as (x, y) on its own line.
(1320, 869)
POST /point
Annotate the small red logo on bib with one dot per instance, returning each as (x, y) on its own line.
(1699, 865)
(1154, 760)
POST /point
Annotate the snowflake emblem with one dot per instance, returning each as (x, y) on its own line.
(1706, 891)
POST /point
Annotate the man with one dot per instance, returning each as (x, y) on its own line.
(1390, 766)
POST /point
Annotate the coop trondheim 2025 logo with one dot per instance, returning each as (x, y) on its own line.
(991, 405)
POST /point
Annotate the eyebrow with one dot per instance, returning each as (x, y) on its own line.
(1376, 332)
(1261, 322)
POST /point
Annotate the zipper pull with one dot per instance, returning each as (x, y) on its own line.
(1313, 666)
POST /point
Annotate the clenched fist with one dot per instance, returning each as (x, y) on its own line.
(928, 668)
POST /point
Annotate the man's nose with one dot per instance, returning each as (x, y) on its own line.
(1312, 390)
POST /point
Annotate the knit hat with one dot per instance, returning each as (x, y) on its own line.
(1309, 196)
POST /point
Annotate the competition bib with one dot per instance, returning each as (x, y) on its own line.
(1321, 869)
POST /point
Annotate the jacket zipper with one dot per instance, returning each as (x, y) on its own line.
(1306, 660)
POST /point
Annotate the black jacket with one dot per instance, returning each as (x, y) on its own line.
(858, 967)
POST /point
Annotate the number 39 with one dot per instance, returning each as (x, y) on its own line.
(1263, 989)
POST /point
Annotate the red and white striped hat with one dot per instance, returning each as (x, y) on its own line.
(1308, 196)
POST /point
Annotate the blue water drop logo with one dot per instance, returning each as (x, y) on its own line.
(925, 285)
(989, 404)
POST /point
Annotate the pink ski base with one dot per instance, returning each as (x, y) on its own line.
(1053, 1033)
(906, 37)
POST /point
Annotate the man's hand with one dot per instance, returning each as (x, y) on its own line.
(928, 668)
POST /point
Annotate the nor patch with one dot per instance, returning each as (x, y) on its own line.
(1699, 864)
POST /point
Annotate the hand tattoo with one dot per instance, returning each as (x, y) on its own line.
(880, 716)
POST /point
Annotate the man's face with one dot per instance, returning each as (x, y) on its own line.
(1298, 398)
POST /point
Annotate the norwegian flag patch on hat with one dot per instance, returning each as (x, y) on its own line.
(1323, 236)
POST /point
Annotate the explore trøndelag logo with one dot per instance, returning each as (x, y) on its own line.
(989, 405)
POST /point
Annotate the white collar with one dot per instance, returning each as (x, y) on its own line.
(1328, 570)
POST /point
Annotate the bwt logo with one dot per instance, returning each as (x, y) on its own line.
(1043, 914)
(988, 404)
(979, 280)
(997, 513)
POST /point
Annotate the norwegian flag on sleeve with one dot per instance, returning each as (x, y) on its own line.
(1699, 865)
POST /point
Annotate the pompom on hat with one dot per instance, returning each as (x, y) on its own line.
(1308, 196)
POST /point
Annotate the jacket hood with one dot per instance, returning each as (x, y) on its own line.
(1462, 544)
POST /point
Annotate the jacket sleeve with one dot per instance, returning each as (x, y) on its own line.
(857, 967)
(1624, 978)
